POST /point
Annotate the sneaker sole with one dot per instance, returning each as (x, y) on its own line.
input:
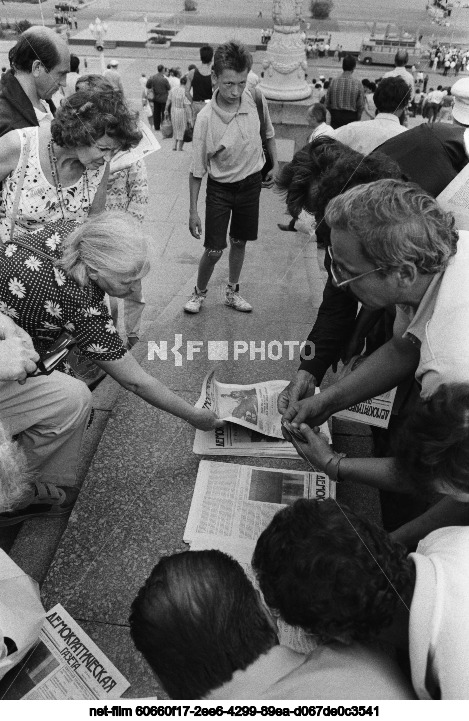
(240, 310)
(186, 310)
(5, 522)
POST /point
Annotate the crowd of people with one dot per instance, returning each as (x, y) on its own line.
(386, 606)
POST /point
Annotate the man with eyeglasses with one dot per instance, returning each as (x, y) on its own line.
(39, 62)
(393, 245)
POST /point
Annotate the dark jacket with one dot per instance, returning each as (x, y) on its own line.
(16, 109)
(159, 83)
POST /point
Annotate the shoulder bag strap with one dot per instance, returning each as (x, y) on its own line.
(34, 250)
(19, 186)
(257, 95)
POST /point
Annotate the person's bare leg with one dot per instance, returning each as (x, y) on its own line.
(236, 259)
(207, 263)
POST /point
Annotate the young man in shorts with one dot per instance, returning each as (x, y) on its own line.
(227, 145)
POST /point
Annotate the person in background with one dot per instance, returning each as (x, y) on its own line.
(369, 110)
(72, 76)
(39, 62)
(179, 107)
(340, 577)
(200, 81)
(174, 77)
(127, 190)
(159, 87)
(112, 75)
(203, 630)
(345, 97)
(227, 144)
(391, 99)
(401, 59)
(446, 112)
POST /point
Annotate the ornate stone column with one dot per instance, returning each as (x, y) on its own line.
(285, 63)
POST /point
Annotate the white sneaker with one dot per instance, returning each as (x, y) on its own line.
(195, 302)
(234, 300)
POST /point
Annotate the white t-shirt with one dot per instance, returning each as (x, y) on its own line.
(439, 616)
(440, 325)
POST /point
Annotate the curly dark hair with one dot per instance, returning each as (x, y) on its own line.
(88, 115)
(331, 572)
(325, 168)
(433, 444)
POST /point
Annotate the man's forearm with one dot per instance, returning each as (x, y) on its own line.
(395, 361)
(194, 190)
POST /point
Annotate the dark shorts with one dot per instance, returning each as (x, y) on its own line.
(238, 201)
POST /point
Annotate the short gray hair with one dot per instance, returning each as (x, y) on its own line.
(110, 242)
(396, 223)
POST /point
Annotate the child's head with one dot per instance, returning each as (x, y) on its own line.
(232, 56)
(433, 448)
(316, 114)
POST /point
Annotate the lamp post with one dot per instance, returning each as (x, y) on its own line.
(285, 62)
(98, 29)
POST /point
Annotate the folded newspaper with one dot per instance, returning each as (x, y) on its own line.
(64, 664)
(375, 411)
(232, 504)
(253, 425)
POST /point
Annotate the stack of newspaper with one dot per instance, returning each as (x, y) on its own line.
(63, 664)
(231, 506)
(253, 422)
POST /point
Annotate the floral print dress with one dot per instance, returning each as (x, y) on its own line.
(39, 202)
(40, 298)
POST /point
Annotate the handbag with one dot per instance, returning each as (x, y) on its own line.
(150, 93)
(188, 134)
(166, 127)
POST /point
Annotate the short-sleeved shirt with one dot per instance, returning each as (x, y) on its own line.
(364, 138)
(41, 299)
(439, 326)
(228, 145)
(345, 93)
(159, 83)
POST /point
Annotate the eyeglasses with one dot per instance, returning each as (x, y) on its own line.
(336, 272)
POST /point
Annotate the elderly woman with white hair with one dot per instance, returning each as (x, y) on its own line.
(55, 279)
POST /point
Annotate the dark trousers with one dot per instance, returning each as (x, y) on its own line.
(343, 117)
(158, 114)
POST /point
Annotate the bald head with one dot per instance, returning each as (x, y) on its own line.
(44, 55)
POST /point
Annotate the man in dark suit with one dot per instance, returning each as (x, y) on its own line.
(39, 62)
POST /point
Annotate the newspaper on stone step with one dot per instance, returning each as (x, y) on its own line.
(253, 425)
(64, 664)
(232, 504)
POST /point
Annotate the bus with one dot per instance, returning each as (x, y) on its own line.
(380, 48)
